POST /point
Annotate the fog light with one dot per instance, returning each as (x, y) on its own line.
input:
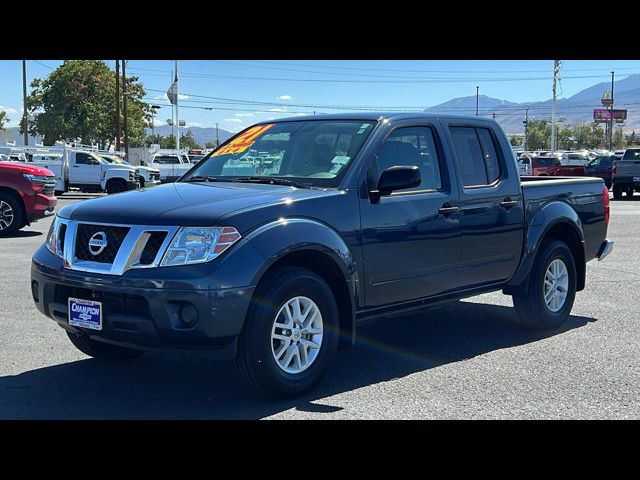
(188, 314)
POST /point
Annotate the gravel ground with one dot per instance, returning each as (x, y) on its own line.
(466, 360)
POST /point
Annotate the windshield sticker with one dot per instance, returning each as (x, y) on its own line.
(244, 141)
(363, 128)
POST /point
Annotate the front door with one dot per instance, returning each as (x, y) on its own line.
(85, 170)
(411, 239)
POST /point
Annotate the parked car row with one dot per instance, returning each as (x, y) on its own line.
(620, 170)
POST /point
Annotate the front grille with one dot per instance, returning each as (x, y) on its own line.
(152, 247)
(114, 237)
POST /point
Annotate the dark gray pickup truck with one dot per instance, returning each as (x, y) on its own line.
(273, 248)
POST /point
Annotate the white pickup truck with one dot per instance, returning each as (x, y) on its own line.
(149, 176)
(172, 165)
(84, 170)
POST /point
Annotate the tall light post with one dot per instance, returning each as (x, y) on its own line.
(556, 71)
(611, 114)
(477, 99)
(25, 125)
(526, 127)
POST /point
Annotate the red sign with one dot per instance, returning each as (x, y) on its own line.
(604, 115)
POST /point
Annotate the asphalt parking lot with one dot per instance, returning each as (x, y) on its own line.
(464, 360)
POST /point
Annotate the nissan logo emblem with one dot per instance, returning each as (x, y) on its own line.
(97, 243)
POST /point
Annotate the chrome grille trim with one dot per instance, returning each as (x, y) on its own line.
(128, 256)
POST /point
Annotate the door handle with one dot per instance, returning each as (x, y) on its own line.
(76, 166)
(447, 209)
(508, 203)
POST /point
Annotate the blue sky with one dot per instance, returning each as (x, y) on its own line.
(284, 85)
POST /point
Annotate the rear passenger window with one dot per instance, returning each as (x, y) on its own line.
(476, 155)
(412, 146)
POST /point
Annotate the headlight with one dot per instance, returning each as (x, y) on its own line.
(53, 237)
(38, 180)
(199, 245)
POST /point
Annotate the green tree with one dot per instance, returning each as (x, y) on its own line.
(565, 138)
(77, 101)
(188, 140)
(3, 119)
(618, 138)
(596, 137)
(515, 140)
(168, 142)
(538, 134)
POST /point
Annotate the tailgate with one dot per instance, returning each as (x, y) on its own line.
(628, 168)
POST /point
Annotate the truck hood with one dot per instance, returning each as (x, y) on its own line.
(185, 204)
(24, 168)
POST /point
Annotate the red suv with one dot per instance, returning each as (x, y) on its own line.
(26, 195)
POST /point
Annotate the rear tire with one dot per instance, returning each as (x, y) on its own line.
(116, 186)
(540, 308)
(617, 192)
(100, 350)
(11, 216)
(261, 363)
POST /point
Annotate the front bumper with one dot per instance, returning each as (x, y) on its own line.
(39, 206)
(142, 317)
(151, 183)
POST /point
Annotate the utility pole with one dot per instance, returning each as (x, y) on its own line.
(124, 108)
(526, 127)
(217, 137)
(177, 118)
(117, 105)
(477, 99)
(611, 114)
(494, 115)
(24, 102)
(556, 71)
(154, 110)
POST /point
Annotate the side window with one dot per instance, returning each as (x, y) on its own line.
(477, 155)
(469, 156)
(84, 159)
(412, 146)
(490, 154)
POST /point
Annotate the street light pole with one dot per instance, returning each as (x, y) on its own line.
(117, 105)
(556, 71)
(124, 108)
(611, 114)
(24, 102)
(526, 127)
(477, 99)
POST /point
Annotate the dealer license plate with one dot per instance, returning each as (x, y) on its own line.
(85, 313)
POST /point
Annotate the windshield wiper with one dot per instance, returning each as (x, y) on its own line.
(201, 178)
(268, 180)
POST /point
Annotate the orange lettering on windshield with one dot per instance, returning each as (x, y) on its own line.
(244, 141)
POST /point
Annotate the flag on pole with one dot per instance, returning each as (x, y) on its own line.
(172, 93)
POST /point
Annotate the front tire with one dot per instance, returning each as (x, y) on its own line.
(290, 336)
(11, 217)
(552, 288)
(116, 186)
(100, 350)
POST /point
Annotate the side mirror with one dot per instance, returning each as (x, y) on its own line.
(399, 177)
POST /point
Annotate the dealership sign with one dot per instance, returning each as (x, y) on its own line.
(604, 115)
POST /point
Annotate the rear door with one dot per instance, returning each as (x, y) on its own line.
(411, 239)
(491, 207)
(84, 169)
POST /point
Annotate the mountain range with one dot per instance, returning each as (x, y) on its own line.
(575, 109)
(201, 134)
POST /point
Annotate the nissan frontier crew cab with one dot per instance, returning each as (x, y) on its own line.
(273, 260)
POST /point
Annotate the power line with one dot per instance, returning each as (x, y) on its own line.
(43, 64)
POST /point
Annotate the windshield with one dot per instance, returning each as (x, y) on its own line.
(311, 153)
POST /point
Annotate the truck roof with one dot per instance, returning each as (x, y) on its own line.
(375, 116)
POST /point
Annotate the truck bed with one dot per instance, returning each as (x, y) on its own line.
(583, 194)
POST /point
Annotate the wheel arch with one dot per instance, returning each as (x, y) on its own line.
(310, 244)
(565, 225)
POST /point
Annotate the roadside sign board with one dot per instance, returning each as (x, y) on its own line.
(604, 115)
